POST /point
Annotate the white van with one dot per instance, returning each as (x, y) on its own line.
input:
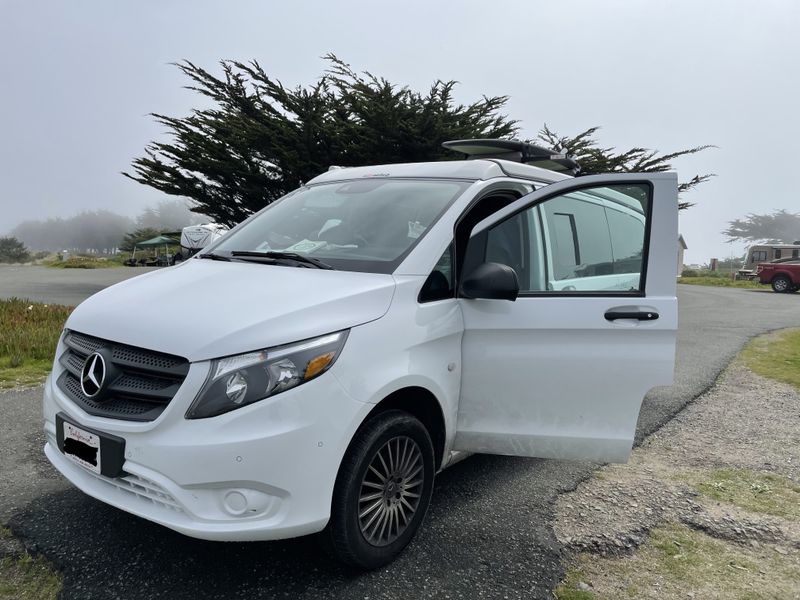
(313, 369)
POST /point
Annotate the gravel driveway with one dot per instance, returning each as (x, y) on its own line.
(744, 431)
(489, 532)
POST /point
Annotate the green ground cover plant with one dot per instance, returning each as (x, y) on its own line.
(721, 282)
(676, 558)
(86, 262)
(26, 577)
(776, 356)
(29, 333)
(766, 493)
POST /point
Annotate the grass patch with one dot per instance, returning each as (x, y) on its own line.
(32, 373)
(84, 262)
(676, 562)
(687, 555)
(568, 590)
(29, 333)
(28, 578)
(721, 282)
(764, 493)
(776, 356)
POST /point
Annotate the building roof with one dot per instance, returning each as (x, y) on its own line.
(775, 246)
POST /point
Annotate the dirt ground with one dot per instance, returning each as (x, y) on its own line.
(707, 507)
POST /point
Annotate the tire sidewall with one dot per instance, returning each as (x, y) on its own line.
(781, 282)
(344, 524)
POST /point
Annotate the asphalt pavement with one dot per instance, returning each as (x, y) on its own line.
(488, 533)
(60, 286)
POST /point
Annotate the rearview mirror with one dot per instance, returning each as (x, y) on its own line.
(492, 281)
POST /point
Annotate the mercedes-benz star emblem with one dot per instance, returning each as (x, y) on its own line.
(93, 375)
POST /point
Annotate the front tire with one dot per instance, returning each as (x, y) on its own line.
(781, 284)
(382, 491)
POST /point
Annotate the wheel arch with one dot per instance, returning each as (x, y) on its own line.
(782, 274)
(425, 406)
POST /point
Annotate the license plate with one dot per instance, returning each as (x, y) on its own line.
(82, 447)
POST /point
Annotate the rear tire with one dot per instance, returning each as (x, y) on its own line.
(781, 284)
(382, 491)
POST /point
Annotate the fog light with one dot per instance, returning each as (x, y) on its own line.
(235, 502)
(245, 502)
(236, 387)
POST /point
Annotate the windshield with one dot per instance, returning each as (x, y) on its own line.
(366, 225)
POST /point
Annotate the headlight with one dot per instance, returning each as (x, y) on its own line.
(236, 381)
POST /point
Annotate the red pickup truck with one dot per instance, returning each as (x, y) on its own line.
(783, 276)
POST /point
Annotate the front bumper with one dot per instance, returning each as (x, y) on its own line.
(262, 472)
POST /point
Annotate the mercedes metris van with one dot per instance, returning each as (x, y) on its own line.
(313, 369)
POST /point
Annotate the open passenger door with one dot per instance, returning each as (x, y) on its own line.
(562, 371)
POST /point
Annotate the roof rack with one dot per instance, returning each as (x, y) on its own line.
(516, 151)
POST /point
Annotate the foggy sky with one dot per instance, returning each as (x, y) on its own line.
(79, 78)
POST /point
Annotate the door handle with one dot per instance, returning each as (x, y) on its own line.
(639, 315)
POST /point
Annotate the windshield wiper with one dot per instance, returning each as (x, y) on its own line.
(273, 255)
(212, 256)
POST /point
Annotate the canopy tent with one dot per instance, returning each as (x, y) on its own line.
(160, 240)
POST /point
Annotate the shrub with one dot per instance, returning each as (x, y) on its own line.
(83, 262)
(13, 251)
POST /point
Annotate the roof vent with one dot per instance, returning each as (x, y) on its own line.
(517, 151)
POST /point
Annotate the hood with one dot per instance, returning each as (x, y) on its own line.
(205, 309)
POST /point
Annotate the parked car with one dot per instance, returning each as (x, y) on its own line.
(761, 253)
(313, 369)
(783, 276)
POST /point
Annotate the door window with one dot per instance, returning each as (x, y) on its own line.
(592, 240)
(579, 242)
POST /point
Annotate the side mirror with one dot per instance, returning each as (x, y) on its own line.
(492, 281)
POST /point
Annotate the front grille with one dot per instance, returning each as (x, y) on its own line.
(141, 383)
(142, 488)
(148, 490)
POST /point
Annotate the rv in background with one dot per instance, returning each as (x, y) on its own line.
(767, 253)
(196, 237)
